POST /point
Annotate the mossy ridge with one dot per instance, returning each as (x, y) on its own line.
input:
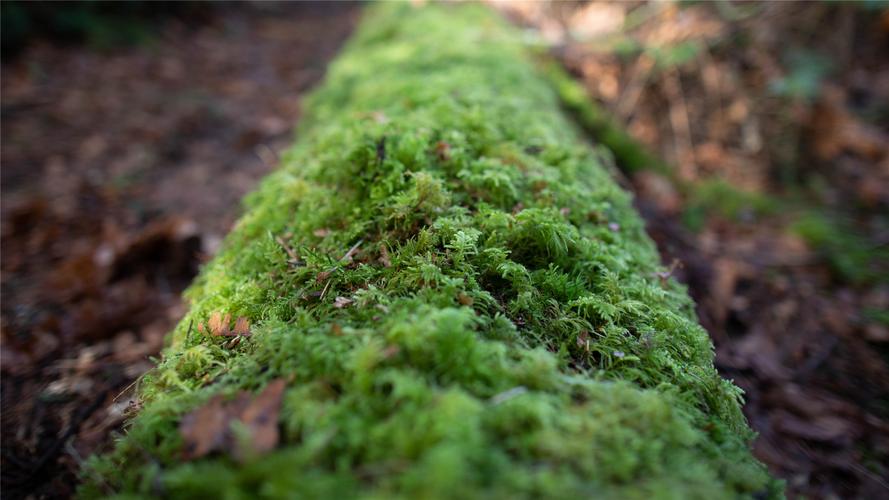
(509, 335)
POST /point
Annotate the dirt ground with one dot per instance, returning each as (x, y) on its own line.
(122, 171)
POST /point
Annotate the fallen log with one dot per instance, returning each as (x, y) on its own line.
(440, 293)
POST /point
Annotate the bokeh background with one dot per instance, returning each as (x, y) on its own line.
(131, 130)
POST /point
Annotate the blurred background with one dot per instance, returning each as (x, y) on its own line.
(131, 130)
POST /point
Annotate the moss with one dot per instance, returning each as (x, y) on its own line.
(507, 335)
(720, 198)
(852, 255)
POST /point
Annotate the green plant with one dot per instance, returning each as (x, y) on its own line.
(807, 71)
(853, 257)
(461, 300)
(710, 198)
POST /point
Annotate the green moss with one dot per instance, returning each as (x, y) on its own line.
(720, 198)
(508, 336)
(851, 255)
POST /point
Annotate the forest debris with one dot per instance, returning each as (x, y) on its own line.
(665, 275)
(351, 253)
(294, 258)
(384, 256)
(204, 429)
(210, 428)
(825, 428)
(443, 150)
(341, 302)
(220, 326)
(242, 326)
(583, 341)
(836, 130)
(656, 187)
(261, 420)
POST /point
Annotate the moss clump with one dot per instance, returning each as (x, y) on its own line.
(497, 329)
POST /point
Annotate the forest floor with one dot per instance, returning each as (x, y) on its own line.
(122, 171)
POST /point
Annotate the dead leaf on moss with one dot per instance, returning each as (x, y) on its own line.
(384, 256)
(583, 341)
(242, 326)
(443, 150)
(209, 428)
(219, 325)
(204, 429)
(341, 302)
(260, 418)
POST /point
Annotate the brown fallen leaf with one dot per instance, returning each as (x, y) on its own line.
(242, 326)
(583, 341)
(825, 428)
(204, 430)
(220, 326)
(443, 150)
(260, 418)
(209, 428)
(384, 256)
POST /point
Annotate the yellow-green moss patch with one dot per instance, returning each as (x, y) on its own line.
(462, 300)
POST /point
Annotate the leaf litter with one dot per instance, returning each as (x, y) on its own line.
(243, 427)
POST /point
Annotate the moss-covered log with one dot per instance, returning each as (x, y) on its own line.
(459, 299)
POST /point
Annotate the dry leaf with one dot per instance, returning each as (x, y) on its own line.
(443, 150)
(260, 418)
(242, 326)
(204, 429)
(321, 233)
(218, 324)
(341, 302)
(209, 428)
(583, 341)
(384, 256)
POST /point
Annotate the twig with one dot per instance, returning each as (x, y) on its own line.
(125, 389)
(638, 79)
(681, 127)
(324, 291)
(352, 250)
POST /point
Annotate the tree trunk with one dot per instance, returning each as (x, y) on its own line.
(440, 293)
